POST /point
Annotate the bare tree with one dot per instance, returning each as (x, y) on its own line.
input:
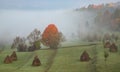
(19, 43)
(34, 38)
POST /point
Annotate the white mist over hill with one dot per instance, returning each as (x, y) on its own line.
(21, 22)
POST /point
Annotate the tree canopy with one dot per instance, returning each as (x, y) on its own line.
(50, 36)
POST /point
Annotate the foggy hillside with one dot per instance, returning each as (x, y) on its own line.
(21, 23)
(69, 22)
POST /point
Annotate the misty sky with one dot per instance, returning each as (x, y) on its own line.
(20, 17)
(48, 4)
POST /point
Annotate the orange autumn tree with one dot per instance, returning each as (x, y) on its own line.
(50, 36)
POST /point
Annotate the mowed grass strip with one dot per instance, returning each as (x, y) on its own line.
(68, 60)
(43, 56)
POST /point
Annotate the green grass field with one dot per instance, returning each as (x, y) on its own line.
(65, 60)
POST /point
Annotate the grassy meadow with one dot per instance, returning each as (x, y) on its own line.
(66, 59)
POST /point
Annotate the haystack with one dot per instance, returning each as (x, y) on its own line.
(13, 56)
(36, 61)
(107, 44)
(7, 60)
(84, 56)
(113, 48)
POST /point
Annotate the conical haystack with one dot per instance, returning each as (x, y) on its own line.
(113, 48)
(36, 61)
(7, 60)
(107, 44)
(84, 56)
(13, 56)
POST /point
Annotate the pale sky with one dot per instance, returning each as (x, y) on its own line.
(48, 4)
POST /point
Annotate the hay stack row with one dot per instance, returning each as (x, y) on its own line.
(13, 57)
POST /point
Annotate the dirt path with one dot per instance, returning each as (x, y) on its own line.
(50, 60)
(92, 64)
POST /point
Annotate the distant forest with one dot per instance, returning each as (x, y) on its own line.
(107, 15)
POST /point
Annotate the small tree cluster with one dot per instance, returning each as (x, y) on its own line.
(51, 37)
(19, 43)
(34, 38)
(34, 41)
(112, 38)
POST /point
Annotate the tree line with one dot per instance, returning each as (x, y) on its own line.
(51, 37)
